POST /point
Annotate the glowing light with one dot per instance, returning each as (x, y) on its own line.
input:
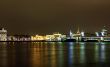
(102, 38)
(96, 52)
(70, 53)
(37, 37)
(82, 34)
(71, 34)
(102, 57)
(71, 44)
(3, 35)
(82, 53)
(102, 47)
(102, 33)
(97, 34)
(82, 46)
(49, 37)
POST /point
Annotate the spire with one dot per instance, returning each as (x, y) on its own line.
(78, 32)
(71, 33)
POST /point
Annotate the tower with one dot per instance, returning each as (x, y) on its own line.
(71, 34)
(104, 31)
(3, 35)
(78, 32)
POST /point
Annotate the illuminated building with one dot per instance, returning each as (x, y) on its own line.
(72, 37)
(57, 36)
(53, 37)
(63, 37)
(37, 38)
(78, 34)
(50, 37)
(3, 35)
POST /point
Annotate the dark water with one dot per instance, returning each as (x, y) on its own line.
(54, 54)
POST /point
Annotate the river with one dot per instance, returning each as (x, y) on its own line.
(54, 54)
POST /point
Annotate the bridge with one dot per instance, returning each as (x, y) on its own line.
(96, 38)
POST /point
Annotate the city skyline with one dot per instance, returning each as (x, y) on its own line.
(54, 33)
(62, 32)
(57, 37)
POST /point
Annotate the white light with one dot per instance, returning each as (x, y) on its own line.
(102, 33)
(97, 34)
(82, 33)
(102, 38)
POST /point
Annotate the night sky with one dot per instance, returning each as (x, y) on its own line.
(48, 16)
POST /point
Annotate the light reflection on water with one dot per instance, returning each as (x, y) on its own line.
(96, 53)
(70, 54)
(82, 53)
(54, 54)
(4, 55)
(100, 52)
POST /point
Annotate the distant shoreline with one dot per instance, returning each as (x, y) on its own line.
(54, 41)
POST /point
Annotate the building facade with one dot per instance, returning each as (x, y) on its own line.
(3, 35)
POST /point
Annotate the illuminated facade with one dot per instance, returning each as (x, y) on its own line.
(78, 36)
(50, 37)
(3, 35)
(53, 37)
(57, 36)
(37, 38)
